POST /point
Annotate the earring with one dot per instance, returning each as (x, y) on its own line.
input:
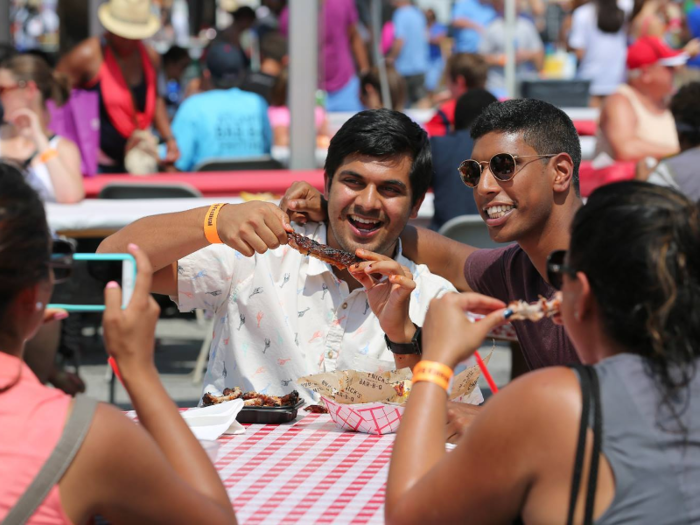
(39, 305)
(576, 316)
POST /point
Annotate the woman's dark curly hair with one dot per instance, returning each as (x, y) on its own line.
(639, 246)
(25, 241)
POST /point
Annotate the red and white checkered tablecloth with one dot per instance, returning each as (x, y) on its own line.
(307, 472)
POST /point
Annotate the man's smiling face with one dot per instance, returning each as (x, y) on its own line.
(513, 210)
(369, 203)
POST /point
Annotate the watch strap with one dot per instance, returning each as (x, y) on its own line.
(411, 348)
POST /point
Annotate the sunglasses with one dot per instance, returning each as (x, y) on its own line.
(61, 261)
(18, 85)
(503, 166)
(556, 269)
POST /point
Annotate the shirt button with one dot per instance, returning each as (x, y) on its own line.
(330, 354)
(345, 305)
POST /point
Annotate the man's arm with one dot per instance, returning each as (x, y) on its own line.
(248, 228)
(82, 63)
(618, 123)
(358, 49)
(443, 256)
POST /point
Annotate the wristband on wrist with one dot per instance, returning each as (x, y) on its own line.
(210, 229)
(433, 372)
(47, 155)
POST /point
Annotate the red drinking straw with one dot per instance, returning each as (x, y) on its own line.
(113, 363)
(485, 371)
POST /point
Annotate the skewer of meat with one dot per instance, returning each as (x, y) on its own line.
(523, 311)
(338, 258)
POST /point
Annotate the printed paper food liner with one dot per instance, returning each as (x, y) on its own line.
(373, 403)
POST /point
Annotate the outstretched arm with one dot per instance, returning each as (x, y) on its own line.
(248, 228)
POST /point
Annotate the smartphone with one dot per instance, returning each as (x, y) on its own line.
(83, 291)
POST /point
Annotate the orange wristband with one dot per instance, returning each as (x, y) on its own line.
(433, 372)
(47, 155)
(210, 230)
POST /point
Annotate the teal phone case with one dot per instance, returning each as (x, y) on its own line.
(95, 257)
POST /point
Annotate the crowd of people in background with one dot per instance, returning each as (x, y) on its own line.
(631, 53)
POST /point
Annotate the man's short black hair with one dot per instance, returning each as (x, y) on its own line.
(685, 107)
(545, 128)
(274, 46)
(470, 106)
(383, 133)
(175, 54)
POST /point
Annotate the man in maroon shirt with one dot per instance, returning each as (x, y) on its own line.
(534, 209)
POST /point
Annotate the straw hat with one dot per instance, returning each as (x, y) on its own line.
(130, 19)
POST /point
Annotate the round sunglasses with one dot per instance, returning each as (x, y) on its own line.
(503, 166)
(556, 269)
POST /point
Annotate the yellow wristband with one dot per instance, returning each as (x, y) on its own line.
(433, 372)
(47, 155)
(210, 229)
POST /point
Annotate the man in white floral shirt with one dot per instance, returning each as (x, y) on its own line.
(280, 315)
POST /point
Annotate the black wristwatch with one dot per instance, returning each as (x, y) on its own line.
(414, 347)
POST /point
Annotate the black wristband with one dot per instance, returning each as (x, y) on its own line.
(412, 348)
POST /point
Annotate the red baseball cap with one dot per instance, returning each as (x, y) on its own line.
(649, 50)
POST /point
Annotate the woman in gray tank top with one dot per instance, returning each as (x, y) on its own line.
(630, 303)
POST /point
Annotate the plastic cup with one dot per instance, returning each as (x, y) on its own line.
(211, 448)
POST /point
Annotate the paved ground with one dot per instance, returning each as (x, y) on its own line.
(180, 341)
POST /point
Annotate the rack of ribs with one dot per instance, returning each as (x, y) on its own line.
(338, 258)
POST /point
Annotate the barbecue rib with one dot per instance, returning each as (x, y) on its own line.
(338, 258)
(251, 398)
(523, 311)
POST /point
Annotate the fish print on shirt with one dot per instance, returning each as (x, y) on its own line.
(365, 349)
(317, 335)
(366, 307)
(285, 382)
(285, 280)
(280, 339)
(325, 290)
(259, 318)
(267, 345)
(215, 293)
(180, 270)
(259, 371)
(264, 390)
(242, 319)
(302, 312)
(200, 274)
(283, 362)
(296, 338)
(225, 372)
(256, 291)
(245, 347)
(339, 320)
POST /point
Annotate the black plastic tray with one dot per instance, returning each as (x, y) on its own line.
(269, 415)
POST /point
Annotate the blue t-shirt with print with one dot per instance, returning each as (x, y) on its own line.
(221, 124)
(467, 40)
(411, 27)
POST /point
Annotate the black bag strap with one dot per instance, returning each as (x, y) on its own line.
(51, 473)
(445, 121)
(590, 387)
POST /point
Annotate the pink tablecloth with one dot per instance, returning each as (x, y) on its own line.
(215, 183)
(308, 472)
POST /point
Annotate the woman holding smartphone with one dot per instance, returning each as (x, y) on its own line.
(631, 305)
(153, 472)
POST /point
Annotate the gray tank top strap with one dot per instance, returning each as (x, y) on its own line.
(51, 473)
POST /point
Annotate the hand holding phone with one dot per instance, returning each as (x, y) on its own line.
(130, 332)
(83, 276)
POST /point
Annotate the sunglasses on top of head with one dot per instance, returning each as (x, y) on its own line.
(61, 261)
(19, 85)
(556, 268)
(503, 166)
